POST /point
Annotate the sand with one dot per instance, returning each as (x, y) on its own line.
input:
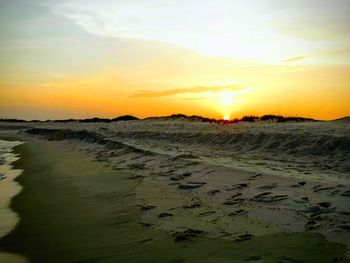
(8, 189)
(189, 206)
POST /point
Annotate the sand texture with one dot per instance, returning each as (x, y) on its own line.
(194, 187)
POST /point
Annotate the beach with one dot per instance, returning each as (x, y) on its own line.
(181, 192)
(192, 131)
(8, 189)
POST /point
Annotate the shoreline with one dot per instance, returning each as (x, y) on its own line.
(96, 197)
(9, 188)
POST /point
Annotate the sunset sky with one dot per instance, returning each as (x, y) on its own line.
(105, 58)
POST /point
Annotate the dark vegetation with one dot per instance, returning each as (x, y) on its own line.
(125, 118)
(183, 117)
(275, 118)
(249, 118)
(120, 118)
(17, 120)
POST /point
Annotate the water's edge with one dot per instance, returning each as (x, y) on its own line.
(9, 188)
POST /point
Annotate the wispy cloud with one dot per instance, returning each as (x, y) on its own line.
(196, 89)
(281, 28)
(294, 59)
(193, 99)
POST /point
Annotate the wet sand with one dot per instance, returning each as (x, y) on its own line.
(8, 189)
(76, 209)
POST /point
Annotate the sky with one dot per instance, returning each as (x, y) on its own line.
(225, 58)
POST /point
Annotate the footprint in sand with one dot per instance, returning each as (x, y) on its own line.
(238, 212)
(206, 213)
(254, 177)
(299, 184)
(243, 237)
(302, 200)
(267, 186)
(234, 201)
(187, 234)
(176, 177)
(213, 192)
(235, 195)
(311, 224)
(162, 215)
(191, 185)
(267, 197)
(325, 204)
(238, 186)
(191, 206)
(345, 193)
(319, 188)
(186, 174)
(147, 207)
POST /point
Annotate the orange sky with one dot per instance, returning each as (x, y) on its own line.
(100, 58)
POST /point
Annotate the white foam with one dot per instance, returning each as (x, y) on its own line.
(8, 189)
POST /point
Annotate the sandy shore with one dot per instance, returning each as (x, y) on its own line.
(8, 189)
(88, 200)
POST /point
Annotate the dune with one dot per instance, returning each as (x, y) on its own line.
(344, 120)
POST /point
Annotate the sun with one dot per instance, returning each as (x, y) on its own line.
(226, 98)
(223, 102)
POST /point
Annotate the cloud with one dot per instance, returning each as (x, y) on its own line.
(193, 99)
(196, 89)
(223, 28)
(294, 59)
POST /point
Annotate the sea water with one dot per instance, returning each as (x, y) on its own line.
(8, 189)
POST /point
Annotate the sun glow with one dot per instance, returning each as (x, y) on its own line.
(225, 101)
(226, 98)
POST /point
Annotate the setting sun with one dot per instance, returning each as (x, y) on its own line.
(226, 117)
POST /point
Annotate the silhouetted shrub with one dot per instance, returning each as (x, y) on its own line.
(250, 118)
(125, 118)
